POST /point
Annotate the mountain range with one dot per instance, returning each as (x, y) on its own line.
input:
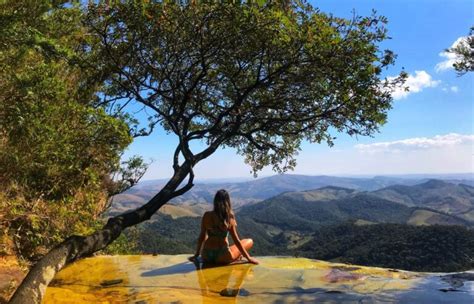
(329, 205)
(198, 199)
(434, 194)
(335, 218)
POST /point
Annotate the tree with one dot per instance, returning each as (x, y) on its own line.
(56, 150)
(257, 78)
(464, 51)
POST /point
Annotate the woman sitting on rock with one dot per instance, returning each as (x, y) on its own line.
(215, 228)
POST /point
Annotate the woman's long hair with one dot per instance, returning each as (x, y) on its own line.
(223, 207)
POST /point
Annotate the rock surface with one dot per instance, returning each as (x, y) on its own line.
(172, 279)
(11, 274)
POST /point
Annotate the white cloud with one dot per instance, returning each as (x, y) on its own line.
(435, 154)
(453, 89)
(450, 153)
(418, 143)
(450, 58)
(415, 84)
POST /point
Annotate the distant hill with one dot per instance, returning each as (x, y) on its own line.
(249, 192)
(422, 216)
(305, 222)
(322, 194)
(434, 194)
(330, 205)
(297, 211)
(427, 248)
(288, 218)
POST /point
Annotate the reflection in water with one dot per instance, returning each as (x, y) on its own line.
(224, 281)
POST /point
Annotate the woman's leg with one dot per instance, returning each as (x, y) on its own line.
(235, 252)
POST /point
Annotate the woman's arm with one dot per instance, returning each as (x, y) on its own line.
(202, 237)
(238, 243)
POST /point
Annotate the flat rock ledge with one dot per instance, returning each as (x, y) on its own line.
(144, 279)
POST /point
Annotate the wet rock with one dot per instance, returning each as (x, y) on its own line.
(456, 280)
(346, 268)
(337, 275)
(173, 279)
(111, 282)
(229, 292)
(244, 292)
(56, 282)
(465, 276)
(449, 290)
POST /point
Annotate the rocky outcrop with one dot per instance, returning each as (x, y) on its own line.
(147, 279)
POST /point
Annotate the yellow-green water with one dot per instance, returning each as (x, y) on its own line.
(172, 279)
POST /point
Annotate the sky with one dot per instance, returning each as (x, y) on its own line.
(429, 129)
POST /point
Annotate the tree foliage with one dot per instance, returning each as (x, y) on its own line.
(55, 148)
(256, 78)
(418, 248)
(464, 52)
(53, 141)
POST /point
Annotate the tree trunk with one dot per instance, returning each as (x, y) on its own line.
(33, 287)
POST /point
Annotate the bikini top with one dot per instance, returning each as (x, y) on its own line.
(217, 232)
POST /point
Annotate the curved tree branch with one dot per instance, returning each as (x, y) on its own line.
(33, 287)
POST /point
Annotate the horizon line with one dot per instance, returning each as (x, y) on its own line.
(245, 178)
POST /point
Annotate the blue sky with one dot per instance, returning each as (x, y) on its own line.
(429, 130)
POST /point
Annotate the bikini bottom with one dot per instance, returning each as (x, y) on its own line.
(212, 255)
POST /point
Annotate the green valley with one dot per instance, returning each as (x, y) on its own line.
(337, 224)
